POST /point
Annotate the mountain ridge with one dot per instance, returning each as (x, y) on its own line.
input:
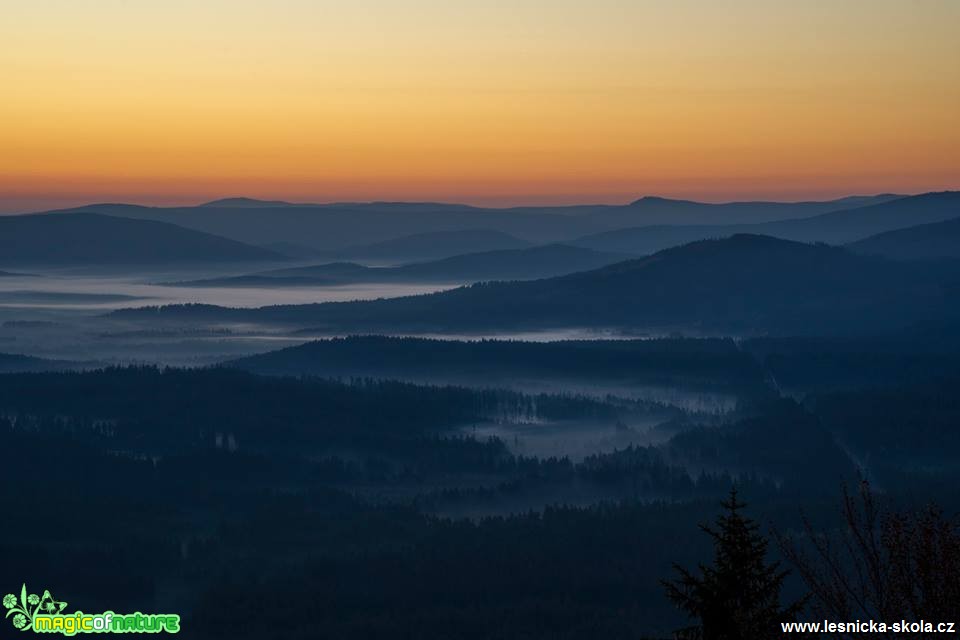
(745, 283)
(66, 239)
(334, 227)
(931, 241)
(837, 227)
(507, 264)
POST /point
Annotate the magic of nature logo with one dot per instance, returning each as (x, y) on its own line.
(44, 614)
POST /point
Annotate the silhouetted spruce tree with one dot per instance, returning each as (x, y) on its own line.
(738, 597)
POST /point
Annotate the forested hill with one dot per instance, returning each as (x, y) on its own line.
(935, 241)
(744, 283)
(350, 225)
(714, 362)
(507, 264)
(73, 239)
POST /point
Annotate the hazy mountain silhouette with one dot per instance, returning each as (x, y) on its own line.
(399, 206)
(327, 274)
(331, 228)
(292, 249)
(745, 283)
(33, 296)
(510, 264)
(934, 241)
(652, 210)
(93, 239)
(853, 224)
(247, 203)
(648, 240)
(433, 245)
(16, 363)
(334, 227)
(836, 227)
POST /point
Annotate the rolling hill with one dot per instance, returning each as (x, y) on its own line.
(510, 264)
(643, 241)
(16, 363)
(853, 224)
(712, 362)
(240, 203)
(88, 239)
(744, 283)
(339, 226)
(934, 241)
(664, 211)
(432, 246)
(836, 227)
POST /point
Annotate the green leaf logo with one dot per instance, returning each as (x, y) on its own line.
(25, 608)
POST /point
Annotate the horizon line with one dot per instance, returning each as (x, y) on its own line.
(504, 207)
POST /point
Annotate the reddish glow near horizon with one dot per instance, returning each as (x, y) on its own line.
(495, 103)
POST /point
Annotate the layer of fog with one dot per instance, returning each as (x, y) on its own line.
(571, 439)
(102, 293)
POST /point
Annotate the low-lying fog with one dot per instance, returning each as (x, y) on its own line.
(571, 439)
(61, 316)
(102, 293)
(56, 314)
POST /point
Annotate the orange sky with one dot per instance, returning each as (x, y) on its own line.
(495, 102)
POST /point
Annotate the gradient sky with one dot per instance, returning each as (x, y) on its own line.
(496, 102)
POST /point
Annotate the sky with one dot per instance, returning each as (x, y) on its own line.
(495, 102)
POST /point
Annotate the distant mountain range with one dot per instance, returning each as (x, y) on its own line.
(935, 241)
(335, 227)
(510, 264)
(392, 233)
(293, 250)
(245, 203)
(663, 211)
(852, 224)
(745, 283)
(31, 296)
(84, 239)
(836, 227)
(432, 245)
(16, 363)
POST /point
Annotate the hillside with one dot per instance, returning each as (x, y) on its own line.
(73, 239)
(432, 246)
(743, 283)
(836, 227)
(853, 224)
(712, 363)
(643, 241)
(16, 363)
(654, 211)
(337, 227)
(245, 203)
(935, 241)
(511, 264)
